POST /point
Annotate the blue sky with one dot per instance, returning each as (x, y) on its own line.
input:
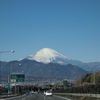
(71, 27)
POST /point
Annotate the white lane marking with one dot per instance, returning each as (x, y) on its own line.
(23, 98)
(63, 97)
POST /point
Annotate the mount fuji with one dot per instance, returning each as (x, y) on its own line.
(47, 55)
(46, 63)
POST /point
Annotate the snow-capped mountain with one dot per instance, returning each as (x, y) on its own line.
(47, 55)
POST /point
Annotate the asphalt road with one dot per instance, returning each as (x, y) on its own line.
(35, 97)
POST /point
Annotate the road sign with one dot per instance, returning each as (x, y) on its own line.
(8, 86)
(17, 77)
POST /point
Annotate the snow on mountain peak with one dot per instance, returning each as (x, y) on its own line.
(46, 55)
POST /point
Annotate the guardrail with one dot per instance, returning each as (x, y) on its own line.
(80, 94)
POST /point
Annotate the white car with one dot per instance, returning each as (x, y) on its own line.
(48, 93)
(44, 92)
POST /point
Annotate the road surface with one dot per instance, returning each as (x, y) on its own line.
(35, 97)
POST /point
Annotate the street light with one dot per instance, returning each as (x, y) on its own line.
(6, 51)
(0, 63)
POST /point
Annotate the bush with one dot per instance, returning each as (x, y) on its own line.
(88, 98)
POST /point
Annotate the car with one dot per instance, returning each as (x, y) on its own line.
(48, 93)
(44, 92)
(27, 93)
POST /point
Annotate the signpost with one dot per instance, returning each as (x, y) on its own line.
(8, 84)
(17, 77)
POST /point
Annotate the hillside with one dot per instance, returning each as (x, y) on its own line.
(92, 78)
(32, 68)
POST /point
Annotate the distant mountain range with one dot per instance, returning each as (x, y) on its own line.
(32, 68)
(48, 63)
(47, 55)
